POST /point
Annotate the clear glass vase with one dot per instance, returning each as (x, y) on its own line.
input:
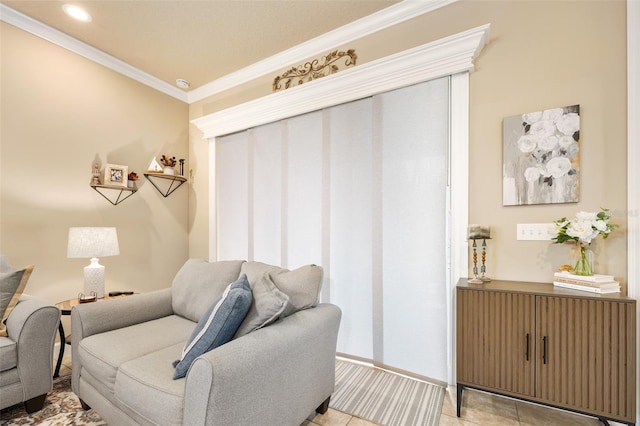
(584, 264)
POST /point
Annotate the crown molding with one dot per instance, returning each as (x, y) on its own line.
(447, 56)
(39, 29)
(362, 27)
(380, 20)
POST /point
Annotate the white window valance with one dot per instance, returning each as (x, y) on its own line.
(448, 56)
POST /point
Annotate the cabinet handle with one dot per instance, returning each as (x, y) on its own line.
(527, 344)
(544, 350)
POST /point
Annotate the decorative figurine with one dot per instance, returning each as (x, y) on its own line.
(95, 180)
(154, 167)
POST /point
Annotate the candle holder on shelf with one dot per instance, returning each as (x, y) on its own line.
(478, 232)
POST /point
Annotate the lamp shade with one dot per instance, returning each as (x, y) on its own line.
(91, 242)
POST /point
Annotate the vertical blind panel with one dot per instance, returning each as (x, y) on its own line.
(232, 179)
(414, 157)
(304, 190)
(351, 224)
(361, 186)
(267, 193)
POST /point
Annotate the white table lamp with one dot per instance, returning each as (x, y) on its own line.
(89, 242)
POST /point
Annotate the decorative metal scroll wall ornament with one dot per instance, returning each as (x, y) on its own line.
(314, 69)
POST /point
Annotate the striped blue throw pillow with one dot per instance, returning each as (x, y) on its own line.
(218, 325)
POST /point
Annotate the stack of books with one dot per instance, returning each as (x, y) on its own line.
(601, 284)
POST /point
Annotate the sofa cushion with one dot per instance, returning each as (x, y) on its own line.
(102, 354)
(144, 385)
(12, 284)
(302, 285)
(199, 283)
(218, 325)
(267, 306)
(4, 264)
(255, 270)
(8, 354)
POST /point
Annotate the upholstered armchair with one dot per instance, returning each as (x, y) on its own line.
(26, 353)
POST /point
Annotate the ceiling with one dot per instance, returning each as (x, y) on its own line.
(199, 41)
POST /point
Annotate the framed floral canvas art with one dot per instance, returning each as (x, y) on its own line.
(541, 157)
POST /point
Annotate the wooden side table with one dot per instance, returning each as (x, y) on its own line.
(65, 309)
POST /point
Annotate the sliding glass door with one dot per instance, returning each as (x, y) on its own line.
(361, 189)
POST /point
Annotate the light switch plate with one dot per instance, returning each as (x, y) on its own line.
(535, 231)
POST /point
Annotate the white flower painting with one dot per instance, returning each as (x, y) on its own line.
(541, 157)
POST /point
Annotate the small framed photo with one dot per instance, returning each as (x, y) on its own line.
(115, 175)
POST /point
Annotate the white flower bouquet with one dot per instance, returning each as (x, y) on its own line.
(583, 230)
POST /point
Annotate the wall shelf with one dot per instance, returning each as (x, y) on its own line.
(169, 182)
(117, 193)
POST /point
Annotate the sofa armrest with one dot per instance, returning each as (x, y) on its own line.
(33, 325)
(92, 318)
(276, 375)
(88, 319)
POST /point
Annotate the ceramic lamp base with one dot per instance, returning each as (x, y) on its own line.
(94, 278)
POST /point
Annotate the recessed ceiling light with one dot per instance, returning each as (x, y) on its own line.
(182, 83)
(76, 12)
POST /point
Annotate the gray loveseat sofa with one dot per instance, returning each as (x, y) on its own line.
(278, 369)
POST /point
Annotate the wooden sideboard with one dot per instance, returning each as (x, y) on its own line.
(564, 348)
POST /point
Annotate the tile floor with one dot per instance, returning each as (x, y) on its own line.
(478, 408)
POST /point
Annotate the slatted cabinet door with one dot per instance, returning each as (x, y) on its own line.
(582, 347)
(586, 356)
(495, 340)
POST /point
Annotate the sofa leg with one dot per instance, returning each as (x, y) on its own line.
(35, 404)
(324, 406)
(85, 406)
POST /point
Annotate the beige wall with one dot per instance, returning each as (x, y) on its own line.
(542, 55)
(60, 112)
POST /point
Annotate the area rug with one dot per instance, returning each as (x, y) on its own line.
(62, 407)
(385, 398)
(362, 391)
